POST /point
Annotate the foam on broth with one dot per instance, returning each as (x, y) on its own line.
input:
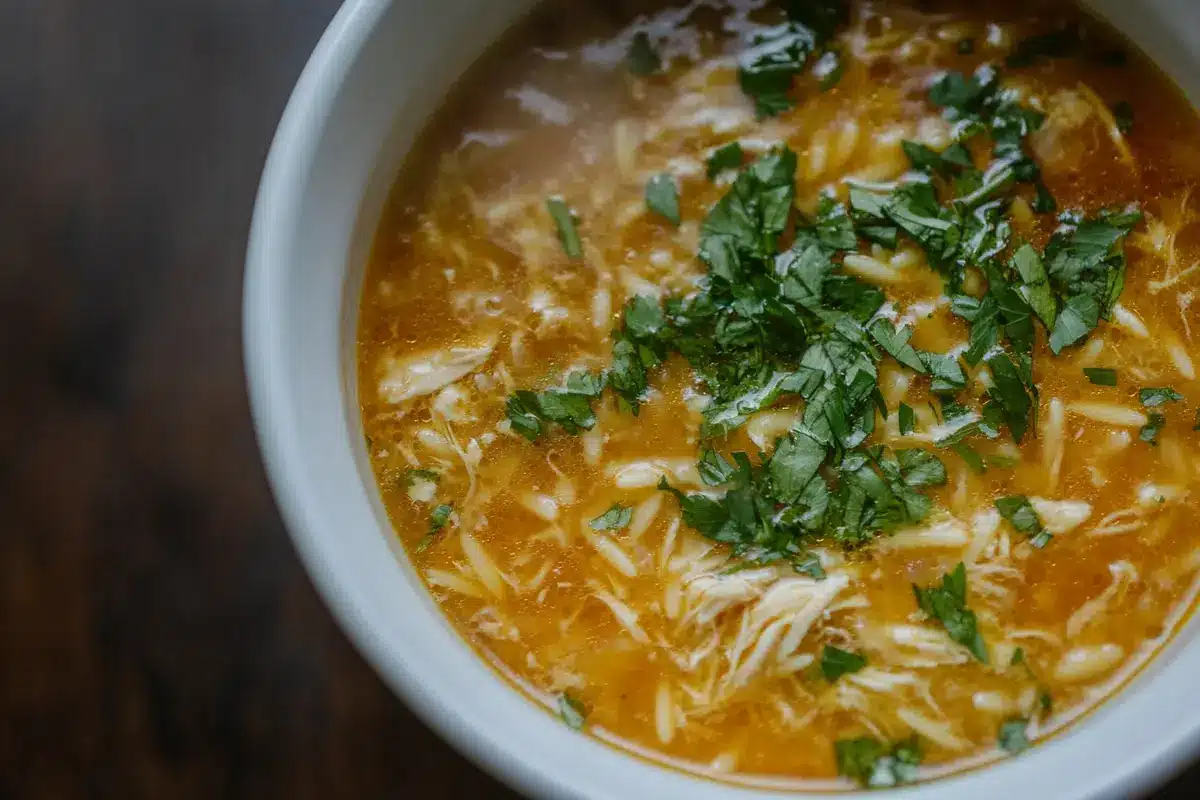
(469, 296)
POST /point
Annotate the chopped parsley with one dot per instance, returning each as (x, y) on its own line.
(569, 406)
(437, 520)
(572, 711)
(1149, 432)
(948, 604)
(905, 413)
(725, 157)
(836, 662)
(564, 221)
(871, 763)
(778, 54)
(662, 197)
(1153, 398)
(614, 519)
(643, 59)
(1021, 515)
(1101, 376)
(413, 475)
(1012, 736)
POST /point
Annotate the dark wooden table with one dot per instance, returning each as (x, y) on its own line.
(158, 638)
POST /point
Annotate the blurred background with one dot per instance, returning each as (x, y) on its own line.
(158, 637)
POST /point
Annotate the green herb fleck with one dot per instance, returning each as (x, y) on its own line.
(564, 221)
(1012, 736)
(572, 711)
(662, 197)
(614, 519)
(1021, 515)
(836, 662)
(728, 156)
(948, 604)
(1149, 432)
(1153, 398)
(411, 476)
(871, 763)
(907, 419)
(1101, 376)
(437, 520)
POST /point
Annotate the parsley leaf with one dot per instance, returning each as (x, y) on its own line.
(794, 464)
(1020, 514)
(662, 197)
(725, 157)
(1149, 432)
(614, 519)
(948, 604)
(564, 221)
(1152, 398)
(437, 520)
(572, 711)
(906, 419)
(870, 763)
(836, 662)
(413, 475)
(1035, 288)
(1101, 376)
(895, 343)
(569, 406)
(947, 373)
(714, 469)
(778, 54)
(1012, 736)
(767, 68)
(642, 58)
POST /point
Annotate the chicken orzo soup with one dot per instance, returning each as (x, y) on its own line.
(798, 392)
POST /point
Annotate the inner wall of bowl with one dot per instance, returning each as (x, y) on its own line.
(393, 86)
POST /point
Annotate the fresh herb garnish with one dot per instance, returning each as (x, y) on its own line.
(1101, 376)
(1155, 397)
(564, 221)
(906, 420)
(569, 406)
(871, 763)
(572, 711)
(1149, 432)
(948, 604)
(413, 475)
(437, 520)
(836, 662)
(1012, 736)
(728, 156)
(662, 197)
(614, 519)
(1021, 515)
(643, 59)
(777, 55)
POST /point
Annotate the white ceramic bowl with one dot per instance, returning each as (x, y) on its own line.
(378, 73)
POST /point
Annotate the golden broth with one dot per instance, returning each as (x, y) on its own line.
(470, 296)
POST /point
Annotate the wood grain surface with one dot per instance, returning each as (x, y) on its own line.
(158, 638)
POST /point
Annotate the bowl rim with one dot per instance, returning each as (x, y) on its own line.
(1149, 759)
